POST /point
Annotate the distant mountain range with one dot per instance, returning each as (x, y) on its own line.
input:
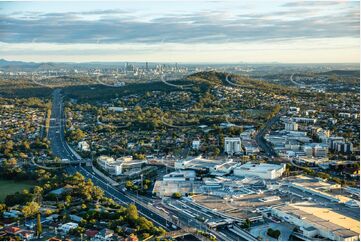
(31, 66)
(6, 65)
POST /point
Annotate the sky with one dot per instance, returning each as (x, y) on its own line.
(197, 31)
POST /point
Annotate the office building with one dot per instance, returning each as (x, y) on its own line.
(316, 150)
(232, 146)
(320, 150)
(343, 147)
(334, 139)
(291, 126)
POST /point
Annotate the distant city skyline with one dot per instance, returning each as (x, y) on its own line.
(187, 31)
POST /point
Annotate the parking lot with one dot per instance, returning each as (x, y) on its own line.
(337, 207)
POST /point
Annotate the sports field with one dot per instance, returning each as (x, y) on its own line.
(10, 187)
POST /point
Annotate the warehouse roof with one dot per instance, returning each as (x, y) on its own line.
(324, 218)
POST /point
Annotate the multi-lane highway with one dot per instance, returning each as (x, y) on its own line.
(61, 149)
(262, 143)
(56, 129)
(168, 220)
(121, 197)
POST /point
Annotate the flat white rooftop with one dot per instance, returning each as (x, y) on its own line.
(324, 218)
(262, 167)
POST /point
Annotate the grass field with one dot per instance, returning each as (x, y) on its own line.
(10, 187)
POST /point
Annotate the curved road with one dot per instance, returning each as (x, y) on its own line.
(296, 83)
(61, 149)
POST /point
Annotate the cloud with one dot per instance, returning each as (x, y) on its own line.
(298, 51)
(313, 3)
(290, 22)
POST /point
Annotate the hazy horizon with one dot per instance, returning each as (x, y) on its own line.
(227, 32)
(186, 63)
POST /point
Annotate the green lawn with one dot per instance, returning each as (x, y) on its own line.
(10, 187)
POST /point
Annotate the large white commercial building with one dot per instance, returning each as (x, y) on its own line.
(305, 160)
(167, 188)
(104, 160)
(232, 145)
(184, 175)
(262, 170)
(119, 166)
(314, 220)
